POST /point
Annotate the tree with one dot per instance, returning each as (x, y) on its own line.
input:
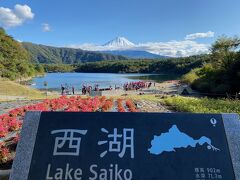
(224, 52)
(14, 59)
(221, 74)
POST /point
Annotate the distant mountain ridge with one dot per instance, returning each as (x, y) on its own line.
(47, 54)
(136, 54)
(119, 48)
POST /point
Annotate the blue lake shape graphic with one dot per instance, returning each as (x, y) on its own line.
(174, 139)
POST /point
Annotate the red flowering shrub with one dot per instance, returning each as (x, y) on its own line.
(5, 155)
(131, 106)
(8, 123)
(120, 105)
(3, 130)
(12, 122)
(108, 104)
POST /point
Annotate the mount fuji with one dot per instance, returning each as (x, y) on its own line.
(122, 46)
(119, 42)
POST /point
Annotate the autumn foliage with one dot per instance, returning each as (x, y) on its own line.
(11, 122)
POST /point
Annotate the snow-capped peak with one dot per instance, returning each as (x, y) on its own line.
(119, 42)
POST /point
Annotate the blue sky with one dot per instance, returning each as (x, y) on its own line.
(75, 22)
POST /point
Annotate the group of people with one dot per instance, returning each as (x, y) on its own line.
(137, 85)
(70, 89)
(66, 89)
(88, 89)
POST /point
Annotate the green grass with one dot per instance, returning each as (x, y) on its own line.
(203, 105)
(10, 89)
(194, 105)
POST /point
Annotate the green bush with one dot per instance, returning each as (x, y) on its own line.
(190, 77)
(222, 88)
(203, 105)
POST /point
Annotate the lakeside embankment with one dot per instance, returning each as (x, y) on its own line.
(102, 80)
(12, 91)
(160, 98)
(13, 95)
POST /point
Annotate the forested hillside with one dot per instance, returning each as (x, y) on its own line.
(14, 59)
(172, 66)
(48, 55)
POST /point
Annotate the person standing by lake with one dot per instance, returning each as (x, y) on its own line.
(73, 90)
(62, 88)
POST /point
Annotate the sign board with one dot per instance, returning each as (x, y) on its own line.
(95, 93)
(124, 146)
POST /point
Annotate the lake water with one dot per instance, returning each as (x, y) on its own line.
(54, 80)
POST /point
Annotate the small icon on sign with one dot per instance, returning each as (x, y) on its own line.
(176, 139)
(213, 121)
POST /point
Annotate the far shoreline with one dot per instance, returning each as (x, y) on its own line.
(104, 80)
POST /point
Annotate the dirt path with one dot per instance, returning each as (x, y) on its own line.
(149, 106)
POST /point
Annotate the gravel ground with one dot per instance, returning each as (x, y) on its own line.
(149, 106)
(7, 106)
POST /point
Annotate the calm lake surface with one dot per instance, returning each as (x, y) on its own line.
(54, 80)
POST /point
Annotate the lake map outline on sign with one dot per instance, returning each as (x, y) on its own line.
(174, 139)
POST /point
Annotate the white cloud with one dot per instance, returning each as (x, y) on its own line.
(199, 35)
(175, 48)
(187, 47)
(46, 27)
(170, 48)
(15, 17)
